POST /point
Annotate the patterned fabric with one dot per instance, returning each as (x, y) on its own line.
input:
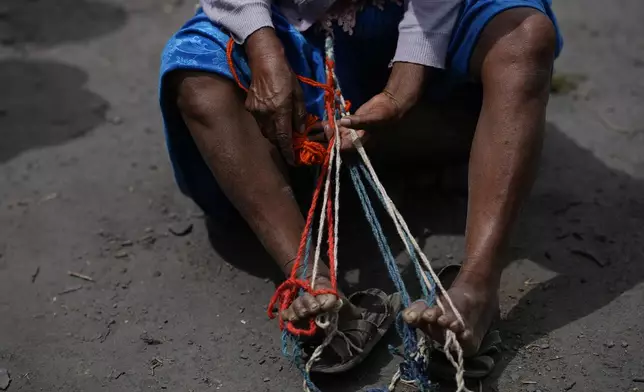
(343, 13)
(365, 41)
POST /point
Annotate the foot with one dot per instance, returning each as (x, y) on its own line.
(476, 299)
(307, 306)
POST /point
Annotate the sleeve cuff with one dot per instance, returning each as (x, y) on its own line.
(247, 19)
(419, 47)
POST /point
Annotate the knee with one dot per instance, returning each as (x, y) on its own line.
(202, 96)
(525, 45)
(534, 41)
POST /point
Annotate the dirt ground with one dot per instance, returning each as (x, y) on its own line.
(85, 187)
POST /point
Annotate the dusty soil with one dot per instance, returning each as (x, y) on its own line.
(85, 187)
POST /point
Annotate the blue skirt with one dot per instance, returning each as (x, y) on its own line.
(362, 67)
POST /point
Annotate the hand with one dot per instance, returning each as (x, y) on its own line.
(275, 96)
(404, 89)
(377, 114)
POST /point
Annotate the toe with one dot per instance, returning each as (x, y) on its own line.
(468, 342)
(457, 327)
(305, 306)
(431, 328)
(327, 302)
(412, 315)
(446, 320)
(311, 304)
(431, 315)
(289, 314)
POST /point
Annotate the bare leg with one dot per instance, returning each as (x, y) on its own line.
(250, 172)
(514, 59)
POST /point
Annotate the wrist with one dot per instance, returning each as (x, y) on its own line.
(407, 83)
(263, 46)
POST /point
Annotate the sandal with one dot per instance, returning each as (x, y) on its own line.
(477, 366)
(354, 339)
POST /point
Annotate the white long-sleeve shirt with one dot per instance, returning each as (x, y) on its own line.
(424, 32)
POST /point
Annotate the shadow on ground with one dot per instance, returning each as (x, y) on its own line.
(44, 103)
(579, 206)
(53, 22)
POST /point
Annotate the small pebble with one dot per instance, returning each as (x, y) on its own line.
(5, 379)
(116, 120)
(149, 340)
(266, 379)
(570, 386)
(180, 229)
(156, 274)
(609, 344)
(243, 356)
(121, 254)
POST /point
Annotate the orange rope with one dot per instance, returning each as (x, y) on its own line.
(306, 151)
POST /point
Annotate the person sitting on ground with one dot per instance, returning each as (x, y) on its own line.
(431, 80)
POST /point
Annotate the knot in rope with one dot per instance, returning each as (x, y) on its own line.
(285, 295)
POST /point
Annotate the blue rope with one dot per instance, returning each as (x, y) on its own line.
(379, 235)
(428, 292)
(411, 369)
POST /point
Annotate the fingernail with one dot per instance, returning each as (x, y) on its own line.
(315, 307)
(412, 315)
(345, 122)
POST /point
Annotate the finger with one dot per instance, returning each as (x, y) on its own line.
(367, 119)
(263, 120)
(347, 137)
(376, 113)
(284, 133)
(317, 137)
(318, 127)
(328, 130)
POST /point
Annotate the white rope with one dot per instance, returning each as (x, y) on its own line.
(336, 216)
(325, 199)
(325, 321)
